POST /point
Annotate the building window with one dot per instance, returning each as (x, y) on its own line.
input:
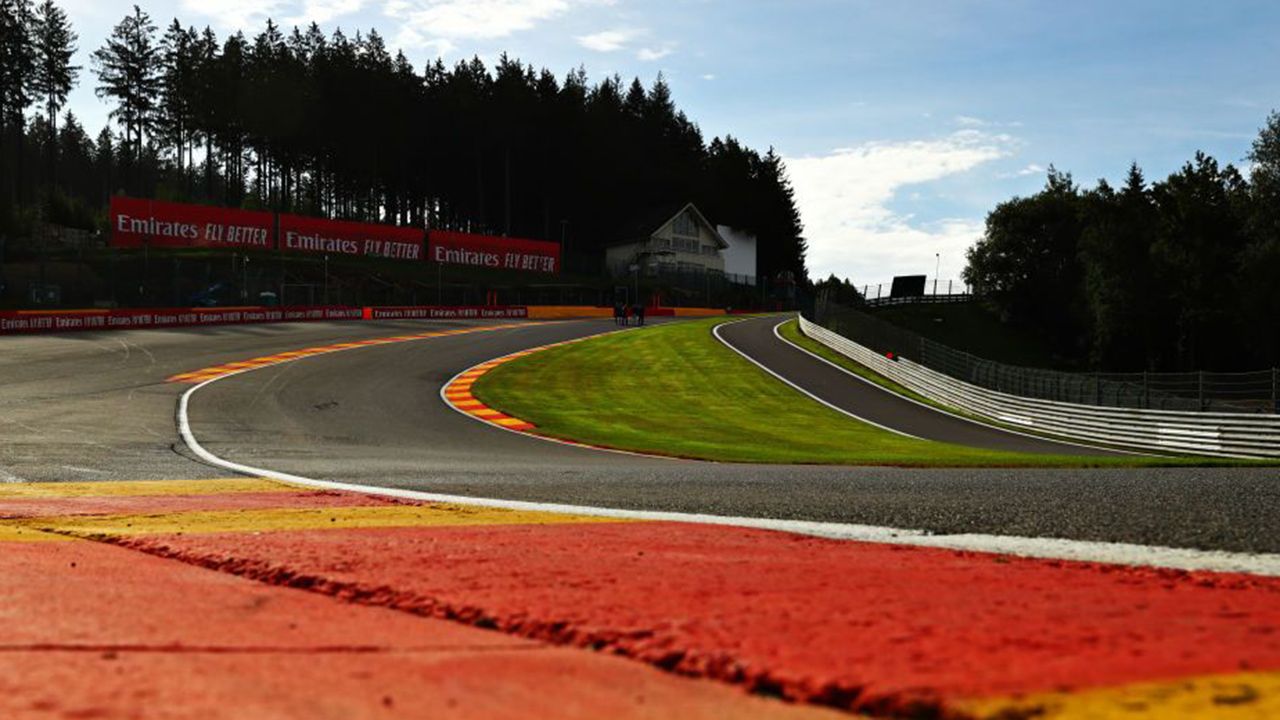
(689, 245)
(684, 225)
(708, 249)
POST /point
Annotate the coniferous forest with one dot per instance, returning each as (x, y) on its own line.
(1175, 275)
(341, 126)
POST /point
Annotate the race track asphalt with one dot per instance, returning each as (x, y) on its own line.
(88, 406)
(756, 339)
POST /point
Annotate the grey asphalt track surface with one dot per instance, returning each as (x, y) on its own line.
(89, 406)
(756, 339)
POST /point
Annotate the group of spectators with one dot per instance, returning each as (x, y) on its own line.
(623, 313)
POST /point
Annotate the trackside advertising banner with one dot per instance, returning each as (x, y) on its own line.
(493, 252)
(337, 237)
(12, 323)
(156, 223)
(446, 313)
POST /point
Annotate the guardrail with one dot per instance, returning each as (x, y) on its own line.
(1197, 433)
(919, 300)
(1201, 391)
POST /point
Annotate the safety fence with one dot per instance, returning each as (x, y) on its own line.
(1190, 432)
(1257, 391)
(947, 299)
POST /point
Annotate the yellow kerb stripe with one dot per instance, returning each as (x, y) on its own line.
(141, 488)
(1214, 697)
(14, 533)
(338, 518)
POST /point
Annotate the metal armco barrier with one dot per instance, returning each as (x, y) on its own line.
(1196, 433)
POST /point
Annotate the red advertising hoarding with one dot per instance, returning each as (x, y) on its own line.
(157, 223)
(493, 252)
(62, 321)
(339, 237)
(433, 312)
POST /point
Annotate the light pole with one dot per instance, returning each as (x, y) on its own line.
(937, 266)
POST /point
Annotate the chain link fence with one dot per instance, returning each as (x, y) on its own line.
(1257, 391)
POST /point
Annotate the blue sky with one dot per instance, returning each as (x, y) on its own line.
(903, 123)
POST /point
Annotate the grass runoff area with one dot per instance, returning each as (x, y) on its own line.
(673, 389)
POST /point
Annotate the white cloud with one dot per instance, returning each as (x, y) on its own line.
(232, 15)
(322, 11)
(1025, 171)
(606, 40)
(709, 76)
(844, 199)
(411, 40)
(970, 121)
(651, 54)
(441, 24)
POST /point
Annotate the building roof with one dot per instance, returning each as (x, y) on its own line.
(643, 226)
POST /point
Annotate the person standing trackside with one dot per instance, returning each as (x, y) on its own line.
(617, 312)
(639, 314)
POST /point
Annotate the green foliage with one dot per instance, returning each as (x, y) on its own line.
(339, 126)
(841, 292)
(1027, 261)
(54, 44)
(17, 59)
(128, 74)
(1179, 275)
(975, 327)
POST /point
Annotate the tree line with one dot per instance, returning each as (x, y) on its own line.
(1177, 275)
(340, 126)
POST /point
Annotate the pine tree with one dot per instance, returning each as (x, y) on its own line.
(781, 229)
(177, 79)
(203, 101)
(129, 73)
(55, 44)
(17, 59)
(104, 161)
(53, 76)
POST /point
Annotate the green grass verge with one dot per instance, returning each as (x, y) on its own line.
(674, 389)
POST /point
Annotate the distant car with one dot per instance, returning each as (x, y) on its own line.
(211, 296)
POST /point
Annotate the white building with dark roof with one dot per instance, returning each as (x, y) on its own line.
(676, 238)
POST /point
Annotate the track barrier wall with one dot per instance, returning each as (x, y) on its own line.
(1246, 435)
(24, 322)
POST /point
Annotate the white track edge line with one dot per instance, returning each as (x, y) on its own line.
(716, 332)
(957, 416)
(1041, 548)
